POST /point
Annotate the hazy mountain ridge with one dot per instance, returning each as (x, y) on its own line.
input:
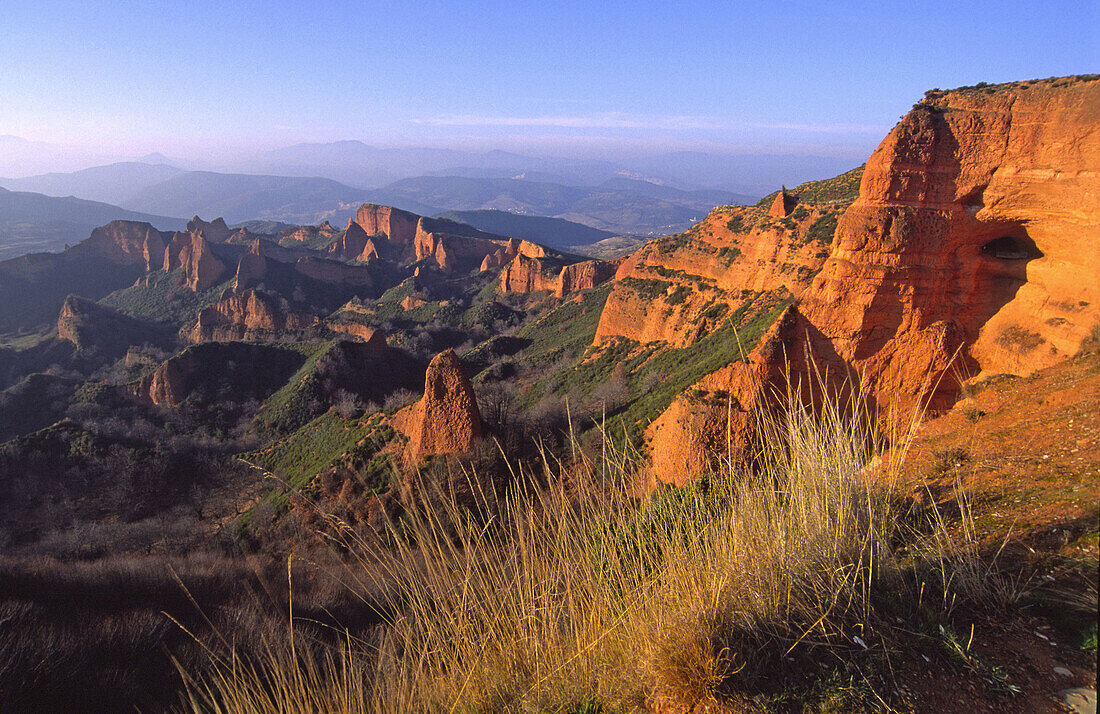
(32, 222)
(618, 205)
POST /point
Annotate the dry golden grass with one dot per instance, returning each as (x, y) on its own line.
(567, 594)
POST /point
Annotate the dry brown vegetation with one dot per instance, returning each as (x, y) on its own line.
(806, 580)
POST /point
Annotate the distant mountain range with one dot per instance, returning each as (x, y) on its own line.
(618, 205)
(358, 164)
(107, 184)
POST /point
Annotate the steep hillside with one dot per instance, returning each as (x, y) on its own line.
(971, 250)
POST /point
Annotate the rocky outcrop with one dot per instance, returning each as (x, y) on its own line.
(584, 275)
(973, 248)
(351, 244)
(126, 242)
(441, 243)
(398, 227)
(977, 231)
(251, 268)
(321, 233)
(201, 267)
(365, 333)
(215, 231)
(716, 417)
(783, 204)
(446, 419)
(330, 271)
(167, 386)
(241, 236)
(250, 315)
(527, 275)
(213, 369)
(93, 328)
(676, 289)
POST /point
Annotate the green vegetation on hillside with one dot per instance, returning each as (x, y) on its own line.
(296, 402)
(318, 445)
(163, 297)
(838, 189)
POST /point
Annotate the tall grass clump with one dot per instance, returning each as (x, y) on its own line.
(568, 593)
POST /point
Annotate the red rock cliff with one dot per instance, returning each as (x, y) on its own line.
(977, 229)
(250, 315)
(399, 227)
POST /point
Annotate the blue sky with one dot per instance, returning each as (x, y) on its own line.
(545, 77)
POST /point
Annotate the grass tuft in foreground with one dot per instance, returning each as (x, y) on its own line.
(799, 582)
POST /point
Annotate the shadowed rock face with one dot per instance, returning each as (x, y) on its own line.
(527, 274)
(977, 229)
(215, 231)
(93, 328)
(353, 244)
(446, 419)
(249, 315)
(127, 242)
(686, 439)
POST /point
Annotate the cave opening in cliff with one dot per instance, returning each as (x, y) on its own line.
(1011, 248)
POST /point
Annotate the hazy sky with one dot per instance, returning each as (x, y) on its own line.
(558, 77)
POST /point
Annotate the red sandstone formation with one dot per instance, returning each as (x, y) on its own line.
(251, 268)
(167, 386)
(334, 272)
(351, 245)
(530, 274)
(665, 291)
(399, 227)
(202, 268)
(215, 231)
(373, 337)
(250, 315)
(977, 228)
(973, 248)
(446, 419)
(783, 204)
(305, 234)
(716, 416)
(126, 242)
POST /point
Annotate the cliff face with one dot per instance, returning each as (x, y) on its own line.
(399, 227)
(973, 248)
(977, 229)
(351, 245)
(676, 289)
(446, 420)
(309, 234)
(717, 415)
(215, 231)
(524, 274)
(250, 315)
(127, 242)
(91, 327)
(369, 335)
(251, 268)
(202, 268)
(191, 251)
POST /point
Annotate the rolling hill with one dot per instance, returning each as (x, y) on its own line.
(33, 223)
